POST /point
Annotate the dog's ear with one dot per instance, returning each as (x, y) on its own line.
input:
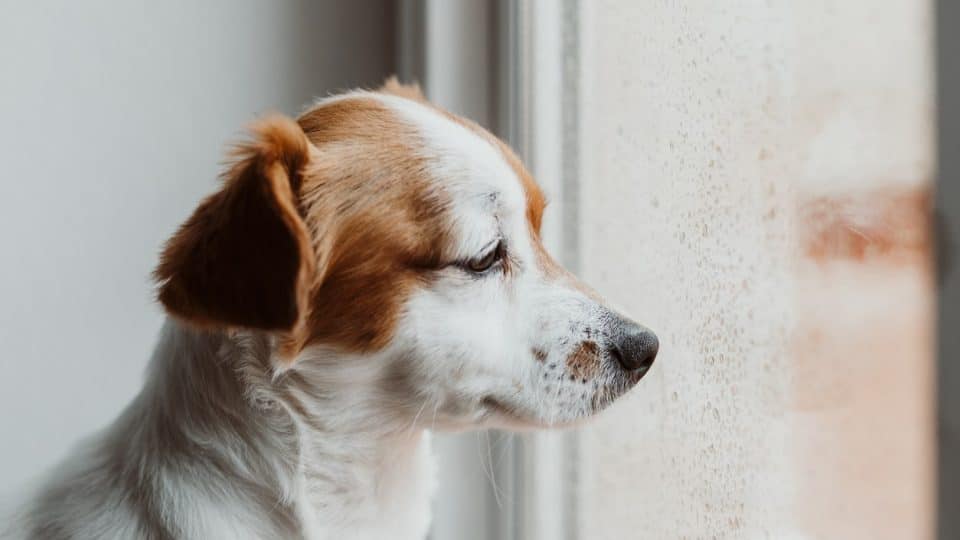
(394, 87)
(244, 258)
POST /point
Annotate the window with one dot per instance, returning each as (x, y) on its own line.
(753, 181)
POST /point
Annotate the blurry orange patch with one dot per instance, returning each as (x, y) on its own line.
(883, 224)
(862, 387)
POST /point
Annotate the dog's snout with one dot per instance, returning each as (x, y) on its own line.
(634, 346)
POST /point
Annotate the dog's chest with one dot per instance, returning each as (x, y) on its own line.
(392, 501)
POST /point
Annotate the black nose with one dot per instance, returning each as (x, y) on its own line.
(634, 346)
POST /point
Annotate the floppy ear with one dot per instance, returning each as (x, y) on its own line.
(244, 258)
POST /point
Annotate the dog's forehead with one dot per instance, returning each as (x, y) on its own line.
(466, 161)
(459, 157)
(459, 153)
(403, 160)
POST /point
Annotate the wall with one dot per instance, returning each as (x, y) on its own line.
(115, 118)
(755, 187)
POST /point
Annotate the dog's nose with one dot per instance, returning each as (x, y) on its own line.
(634, 346)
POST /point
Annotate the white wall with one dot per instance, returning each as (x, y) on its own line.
(113, 118)
(754, 182)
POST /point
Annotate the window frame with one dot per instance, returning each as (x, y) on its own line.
(526, 48)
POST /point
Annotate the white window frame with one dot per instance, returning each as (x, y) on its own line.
(512, 66)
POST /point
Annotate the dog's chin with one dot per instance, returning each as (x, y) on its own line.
(500, 414)
(504, 413)
(497, 413)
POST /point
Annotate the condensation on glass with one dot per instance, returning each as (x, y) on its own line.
(755, 186)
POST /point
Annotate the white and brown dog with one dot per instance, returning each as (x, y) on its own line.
(366, 273)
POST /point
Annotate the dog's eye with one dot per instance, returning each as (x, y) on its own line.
(486, 261)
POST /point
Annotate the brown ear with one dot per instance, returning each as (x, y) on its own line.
(243, 258)
(394, 87)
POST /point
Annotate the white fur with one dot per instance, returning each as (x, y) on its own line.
(485, 330)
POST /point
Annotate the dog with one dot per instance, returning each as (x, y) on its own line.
(366, 273)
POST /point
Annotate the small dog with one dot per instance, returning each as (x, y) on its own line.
(366, 273)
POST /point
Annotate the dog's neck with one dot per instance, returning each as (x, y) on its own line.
(308, 450)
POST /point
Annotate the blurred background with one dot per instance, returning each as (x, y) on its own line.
(754, 179)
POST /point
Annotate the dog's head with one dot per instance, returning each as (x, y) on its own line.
(398, 246)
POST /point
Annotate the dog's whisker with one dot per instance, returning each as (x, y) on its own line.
(413, 425)
(488, 468)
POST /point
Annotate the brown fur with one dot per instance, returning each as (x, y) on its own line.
(347, 224)
(412, 91)
(376, 215)
(243, 258)
(321, 231)
(584, 362)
